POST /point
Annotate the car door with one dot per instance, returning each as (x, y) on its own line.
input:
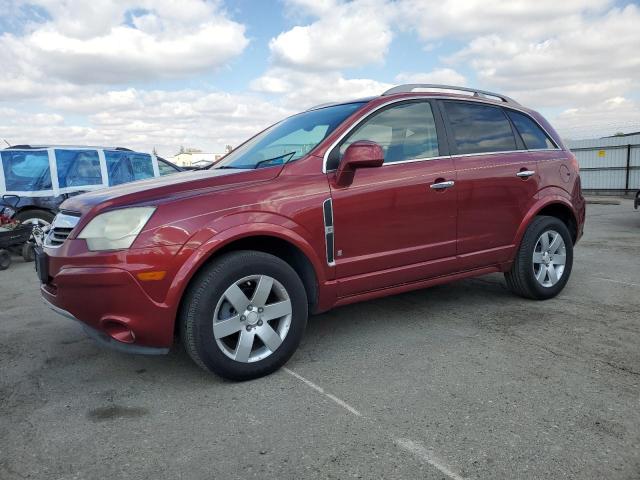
(396, 223)
(496, 180)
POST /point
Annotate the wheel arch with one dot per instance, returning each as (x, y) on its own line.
(283, 249)
(287, 246)
(553, 206)
(33, 208)
(562, 212)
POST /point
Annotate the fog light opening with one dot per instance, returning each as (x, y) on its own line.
(119, 331)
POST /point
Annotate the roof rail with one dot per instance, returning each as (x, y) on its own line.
(410, 87)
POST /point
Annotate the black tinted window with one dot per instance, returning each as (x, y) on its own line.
(479, 128)
(532, 135)
(405, 132)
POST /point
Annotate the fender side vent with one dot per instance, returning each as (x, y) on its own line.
(327, 210)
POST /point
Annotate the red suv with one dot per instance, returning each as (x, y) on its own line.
(345, 202)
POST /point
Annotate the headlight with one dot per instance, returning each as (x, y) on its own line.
(117, 229)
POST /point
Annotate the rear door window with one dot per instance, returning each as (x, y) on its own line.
(124, 167)
(478, 128)
(532, 135)
(78, 168)
(26, 171)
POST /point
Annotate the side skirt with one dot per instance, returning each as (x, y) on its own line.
(384, 292)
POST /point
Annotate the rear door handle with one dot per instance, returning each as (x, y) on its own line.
(525, 173)
(442, 185)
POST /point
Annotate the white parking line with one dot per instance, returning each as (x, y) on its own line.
(618, 281)
(342, 403)
(415, 448)
(426, 455)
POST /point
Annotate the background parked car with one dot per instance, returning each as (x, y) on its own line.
(44, 176)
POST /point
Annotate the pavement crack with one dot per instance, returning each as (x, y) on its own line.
(613, 365)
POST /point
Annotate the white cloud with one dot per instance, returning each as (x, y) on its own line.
(91, 42)
(300, 90)
(144, 119)
(581, 54)
(443, 76)
(470, 18)
(300, 8)
(75, 70)
(345, 34)
(599, 119)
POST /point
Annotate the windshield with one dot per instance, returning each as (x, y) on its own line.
(288, 140)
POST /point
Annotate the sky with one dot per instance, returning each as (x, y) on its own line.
(202, 74)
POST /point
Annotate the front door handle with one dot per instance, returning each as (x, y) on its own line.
(442, 185)
(525, 173)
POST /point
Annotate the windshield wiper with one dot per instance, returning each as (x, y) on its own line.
(290, 154)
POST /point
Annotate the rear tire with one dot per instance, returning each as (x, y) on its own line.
(35, 217)
(543, 263)
(244, 315)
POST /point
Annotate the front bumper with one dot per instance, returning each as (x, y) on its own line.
(105, 340)
(104, 293)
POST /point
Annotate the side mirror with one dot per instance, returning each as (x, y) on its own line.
(360, 154)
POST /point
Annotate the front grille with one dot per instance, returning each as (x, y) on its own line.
(61, 228)
(57, 236)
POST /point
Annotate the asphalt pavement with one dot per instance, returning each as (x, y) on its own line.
(458, 381)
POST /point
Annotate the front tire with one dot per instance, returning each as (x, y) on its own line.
(543, 263)
(28, 253)
(5, 259)
(244, 315)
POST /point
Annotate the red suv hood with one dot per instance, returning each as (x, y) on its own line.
(167, 187)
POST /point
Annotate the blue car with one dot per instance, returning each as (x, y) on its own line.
(45, 176)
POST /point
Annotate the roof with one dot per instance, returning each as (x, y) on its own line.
(346, 102)
(432, 89)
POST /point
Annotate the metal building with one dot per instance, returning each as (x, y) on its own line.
(609, 163)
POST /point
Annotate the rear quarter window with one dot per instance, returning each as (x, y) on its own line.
(532, 135)
(124, 166)
(478, 128)
(165, 168)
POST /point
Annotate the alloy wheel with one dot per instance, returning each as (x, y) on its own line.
(252, 318)
(36, 222)
(549, 258)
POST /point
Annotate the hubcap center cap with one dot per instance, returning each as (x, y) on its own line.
(252, 318)
(546, 258)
